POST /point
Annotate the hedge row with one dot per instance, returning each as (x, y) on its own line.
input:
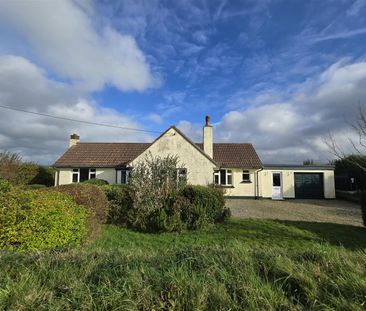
(193, 207)
(34, 220)
(50, 218)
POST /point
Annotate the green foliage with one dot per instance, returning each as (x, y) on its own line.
(363, 207)
(96, 181)
(238, 265)
(119, 203)
(35, 186)
(45, 176)
(26, 173)
(5, 186)
(17, 172)
(208, 205)
(33, 220)
(153, 183)
(91, 197)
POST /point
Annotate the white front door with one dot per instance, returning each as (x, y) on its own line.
(277, 186)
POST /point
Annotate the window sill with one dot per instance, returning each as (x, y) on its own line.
(224, 186)
(246, 182)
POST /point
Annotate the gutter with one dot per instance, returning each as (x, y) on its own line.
(256, 180)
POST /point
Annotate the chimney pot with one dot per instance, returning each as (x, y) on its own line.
(208, 120)
(208, 138)
(74, 139)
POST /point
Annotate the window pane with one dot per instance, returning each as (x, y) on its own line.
(229, 179)
(75, 170)
(74, 177)
(276, 179)
(124, 176)
(92, 170)
(246, 175)
(92, 175)
(223, 177)
(84, 174)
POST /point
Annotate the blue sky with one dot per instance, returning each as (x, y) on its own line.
(279, 74)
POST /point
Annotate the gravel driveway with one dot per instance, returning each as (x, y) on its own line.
(333, 211)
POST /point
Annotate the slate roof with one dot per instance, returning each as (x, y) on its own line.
(226, 155)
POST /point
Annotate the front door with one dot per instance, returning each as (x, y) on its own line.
(277, 186)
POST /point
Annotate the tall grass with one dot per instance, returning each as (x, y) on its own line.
(252, 265)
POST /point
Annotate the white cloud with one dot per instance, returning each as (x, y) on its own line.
(69, 40)
(154, 117)
(294, 129)
(23, 85)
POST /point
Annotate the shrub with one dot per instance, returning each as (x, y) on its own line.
(34, 220)
(45, 176)
(91, 197)
(153, 184)
(5, 186)
(119, 203)
(35, 186)
(363, 207)
(96, 181)
(208, 205)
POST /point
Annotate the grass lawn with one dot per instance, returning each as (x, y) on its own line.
(242, 264)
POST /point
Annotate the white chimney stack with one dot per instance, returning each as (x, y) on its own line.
(74, 139)
(208, 138)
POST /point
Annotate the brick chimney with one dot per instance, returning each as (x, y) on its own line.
(208, 138)
(74, 139)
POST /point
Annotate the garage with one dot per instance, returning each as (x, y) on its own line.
(309, 185)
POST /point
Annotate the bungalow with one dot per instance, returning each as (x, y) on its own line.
(233, 166)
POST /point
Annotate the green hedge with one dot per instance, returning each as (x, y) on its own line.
(119, 203)
(35, 220)
(193, 207)
(91, 197)
(5, 186)
(96, 181)
(208, 205)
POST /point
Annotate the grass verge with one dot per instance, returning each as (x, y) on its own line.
(242, 264)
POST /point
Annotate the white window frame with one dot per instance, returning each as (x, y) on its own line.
(75, 171)
(91, 172)
(246, 172)
(228, 172)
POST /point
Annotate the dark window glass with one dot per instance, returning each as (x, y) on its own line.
(92, 175)
(124, 176)
(216, 177)
(84, 174)
(74, 177)
(276, 180)
(229, 179)
(246, 176)
(223, 177)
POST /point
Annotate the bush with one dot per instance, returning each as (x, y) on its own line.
(91, 197)
(45, 176)
(153, 185)
(363, 207)
(5, 186)
(96, 181)
(208, 205)
(34, 220)
(119, 203)
(35, 186)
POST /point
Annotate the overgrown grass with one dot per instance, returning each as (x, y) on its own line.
(248, 264)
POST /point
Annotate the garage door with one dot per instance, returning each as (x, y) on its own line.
(309, 186)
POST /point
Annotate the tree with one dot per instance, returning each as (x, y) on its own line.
(359, 147)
